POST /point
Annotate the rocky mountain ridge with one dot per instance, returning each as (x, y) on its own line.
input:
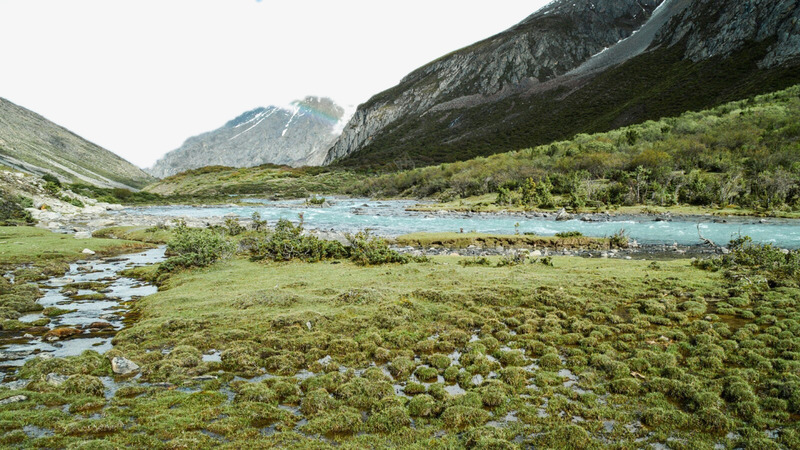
(33, 144)
(576, 66)
(548, 43)
(295, 136)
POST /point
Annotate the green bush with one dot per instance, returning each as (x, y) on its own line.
(195, 247)
(12, 211)
(287, 242)
(367, 250)
(747, 259)
(233, 227)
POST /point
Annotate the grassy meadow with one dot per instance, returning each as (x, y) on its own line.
(443, 353)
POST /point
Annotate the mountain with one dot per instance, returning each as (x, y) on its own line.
(295, 136)
(576, 66)
(33, 144)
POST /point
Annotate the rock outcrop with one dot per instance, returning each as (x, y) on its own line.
(576, 66)
(713, 28)
(295, 136)
(550, 42)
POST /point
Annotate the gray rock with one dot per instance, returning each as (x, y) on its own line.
(17, 385)
(13, 399)
(529, 54)
(563, 215)
(56, 379)
(123, 366)
(86, 251)
(83, 235)
(293, 136)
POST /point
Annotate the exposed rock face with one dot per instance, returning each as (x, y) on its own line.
(294, 137)
(548, 43)
(573, 67)
(718, 28)
(32, 143)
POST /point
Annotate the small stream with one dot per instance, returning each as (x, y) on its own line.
(97, 299)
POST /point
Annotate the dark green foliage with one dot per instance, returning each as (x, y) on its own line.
(314, 200)
(115, 195)
(743, 153)
(194, 247)
(751, 262)
(366, 249)
(568, 234)
(233, 227)
(288, 242)
(12, 210)
(51, 184)
(656, 84)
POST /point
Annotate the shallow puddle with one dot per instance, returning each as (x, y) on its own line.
(97, 313)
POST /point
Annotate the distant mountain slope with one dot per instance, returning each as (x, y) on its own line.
(576, 66)
(32, 143)
(295, 136)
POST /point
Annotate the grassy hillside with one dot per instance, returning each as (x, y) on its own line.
(268, 180)
(744, 153)
(30, 142)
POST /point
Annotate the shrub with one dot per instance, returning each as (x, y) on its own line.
(747, 259)
(366, 250)
(569, 234)
(619, 239)
(233, 227)
(12, 211)
(287, 242)
(194, 247)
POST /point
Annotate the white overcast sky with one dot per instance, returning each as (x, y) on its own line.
(140, 76)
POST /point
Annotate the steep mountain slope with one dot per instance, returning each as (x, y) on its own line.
(32, 143)
(556, 76)
(296, 136)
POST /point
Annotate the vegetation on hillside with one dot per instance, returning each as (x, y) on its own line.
(656, 84)
(744, 153)
(12, 209)
(267, 180)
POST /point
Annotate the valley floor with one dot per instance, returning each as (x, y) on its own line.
(450, 353)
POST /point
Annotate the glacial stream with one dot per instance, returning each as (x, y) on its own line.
(96, 298)
(391, 218)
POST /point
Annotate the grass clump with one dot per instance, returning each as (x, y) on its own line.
(85, 385)
(463, 417)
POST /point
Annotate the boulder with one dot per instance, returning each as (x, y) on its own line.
(563, 215)
(123, 366)
(86, 251)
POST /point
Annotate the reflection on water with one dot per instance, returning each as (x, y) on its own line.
(96, 310)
